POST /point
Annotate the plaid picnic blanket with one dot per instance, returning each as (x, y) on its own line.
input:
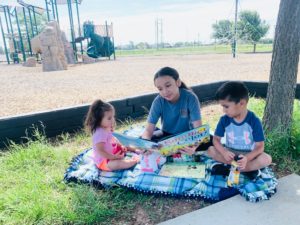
(212, 187)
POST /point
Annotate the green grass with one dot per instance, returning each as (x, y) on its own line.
(283, 147)
(203, 49)
(296, 127)
(32, 190)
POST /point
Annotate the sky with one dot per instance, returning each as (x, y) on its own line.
(182, 20)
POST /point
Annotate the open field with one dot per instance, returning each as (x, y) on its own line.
(201, 49)
(25, 90)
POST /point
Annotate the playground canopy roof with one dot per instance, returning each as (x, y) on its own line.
(19, 4)
(62, 2)
(10, 4)
(36, 8)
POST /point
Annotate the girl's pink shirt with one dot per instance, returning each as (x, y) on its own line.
(102, 136)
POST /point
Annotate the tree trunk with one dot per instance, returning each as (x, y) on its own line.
(254, 47)
(284, 67)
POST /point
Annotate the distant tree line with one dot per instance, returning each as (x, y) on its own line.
(250, 28)
(145, 45)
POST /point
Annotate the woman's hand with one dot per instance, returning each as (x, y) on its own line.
(189, 150)
(147, 151)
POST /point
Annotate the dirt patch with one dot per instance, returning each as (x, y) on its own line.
(26, 90)
(159, 209)
(141, 217)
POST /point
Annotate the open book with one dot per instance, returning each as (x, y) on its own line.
(169, 145)
(183, 170)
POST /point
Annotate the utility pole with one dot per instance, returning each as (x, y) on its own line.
(235, 29)
(216, 39)
(158, 33)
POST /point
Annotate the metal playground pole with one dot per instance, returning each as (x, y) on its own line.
(20, 34)
(4, 41)
(27, 33)
(72, 28)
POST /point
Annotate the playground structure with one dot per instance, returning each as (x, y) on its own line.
(19, 25)
(99, 40)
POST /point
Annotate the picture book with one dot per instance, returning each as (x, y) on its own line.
(169, 145)
(183, 170)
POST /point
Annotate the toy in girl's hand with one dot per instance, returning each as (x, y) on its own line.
(119, 149)
(234, 175)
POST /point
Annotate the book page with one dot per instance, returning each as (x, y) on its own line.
(189, 138)
(170, 145)
(135, 142)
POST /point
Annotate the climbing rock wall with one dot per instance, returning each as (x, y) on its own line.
(52, 48)
(69, 53)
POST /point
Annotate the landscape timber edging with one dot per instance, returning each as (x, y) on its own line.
(56, 122)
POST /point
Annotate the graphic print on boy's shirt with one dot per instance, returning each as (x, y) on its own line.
(239, 137)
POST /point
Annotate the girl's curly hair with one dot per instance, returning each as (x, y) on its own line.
(96, 114)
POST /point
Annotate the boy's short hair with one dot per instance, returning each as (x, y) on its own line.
(233, 91)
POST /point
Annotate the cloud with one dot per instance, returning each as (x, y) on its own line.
(183, 20)
(189, 22)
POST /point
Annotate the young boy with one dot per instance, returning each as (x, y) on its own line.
(243, 130)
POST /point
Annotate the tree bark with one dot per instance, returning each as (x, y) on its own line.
(284, 68)
(254, 48)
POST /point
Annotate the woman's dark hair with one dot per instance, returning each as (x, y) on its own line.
(96, 114)
(233, 91)
(169, 71)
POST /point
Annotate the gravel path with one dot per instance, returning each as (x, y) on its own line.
(25, 90)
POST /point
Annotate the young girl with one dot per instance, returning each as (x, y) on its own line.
(108, 154)
(176, 106)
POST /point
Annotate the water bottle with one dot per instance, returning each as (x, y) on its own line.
(234, 175)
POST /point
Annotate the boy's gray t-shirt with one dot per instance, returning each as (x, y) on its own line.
(240, 136)
(176, 117)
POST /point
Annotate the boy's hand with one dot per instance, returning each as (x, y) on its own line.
(228, 155)
(242, 163)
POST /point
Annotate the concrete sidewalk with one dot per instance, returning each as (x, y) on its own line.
(282, 209)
